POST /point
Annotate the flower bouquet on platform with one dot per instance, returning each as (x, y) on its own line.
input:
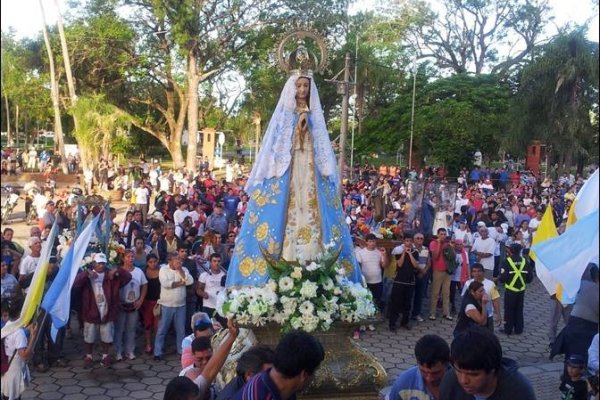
(300, 294)
(114, 253)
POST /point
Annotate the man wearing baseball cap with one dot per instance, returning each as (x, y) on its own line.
(100, 305)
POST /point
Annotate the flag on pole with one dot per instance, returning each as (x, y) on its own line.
(586, 200)
(545, 231)
(36, 288)
(567, 256)
(57, 301)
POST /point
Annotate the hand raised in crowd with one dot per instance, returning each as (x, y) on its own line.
(233, 328)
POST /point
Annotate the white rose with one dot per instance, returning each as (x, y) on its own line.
(308, 289)
(272, 285)
(306, 308)
(286, 284)
(328, 285)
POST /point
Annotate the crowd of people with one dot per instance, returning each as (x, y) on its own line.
(463, 244)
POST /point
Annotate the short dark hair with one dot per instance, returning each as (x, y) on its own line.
(215, 255)
(298, 351)
(476, 349)
(515, 249)
(370, 236)
(181, 388)
(431, 349)
(253, 360)
(477, 266)
(151, 256)
(442, 230)
(474, 286)
(14, 308)
(201, 343)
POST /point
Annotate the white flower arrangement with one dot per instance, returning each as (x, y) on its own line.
(310, 297)
(65, 238)
(114, 256)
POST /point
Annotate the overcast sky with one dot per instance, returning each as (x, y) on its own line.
(25, 16)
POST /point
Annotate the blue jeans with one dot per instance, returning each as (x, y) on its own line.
(125, 326)
(168, 315)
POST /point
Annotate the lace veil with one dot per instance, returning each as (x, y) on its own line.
(275, 153)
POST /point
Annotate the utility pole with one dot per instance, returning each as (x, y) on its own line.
(344, 126)
(354, 108)
(412, 117)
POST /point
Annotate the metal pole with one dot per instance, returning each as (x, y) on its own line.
(344, 125)
(412, 118)
(354, 109)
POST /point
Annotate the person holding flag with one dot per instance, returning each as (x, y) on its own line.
(18, 349)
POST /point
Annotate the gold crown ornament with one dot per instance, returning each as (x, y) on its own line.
(295, 55)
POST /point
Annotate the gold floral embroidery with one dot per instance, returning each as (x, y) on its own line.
(253, 218)
(347, 266)
(246, 266)
(239, 248)
(275, 188)
(261, 266)
(262, 231)
(273, 247)
(304, 235)
(335, 232)
(256, 194)
(261, 200)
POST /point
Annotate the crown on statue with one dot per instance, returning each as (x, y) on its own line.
(296, 58)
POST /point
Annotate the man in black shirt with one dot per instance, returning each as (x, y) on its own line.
(404, 283)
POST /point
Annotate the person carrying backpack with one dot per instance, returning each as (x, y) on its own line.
(17, 348)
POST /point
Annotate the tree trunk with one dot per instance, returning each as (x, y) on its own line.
(176, 154)
(192, 112)
(568, 159)
(9, 138)
(58, 132)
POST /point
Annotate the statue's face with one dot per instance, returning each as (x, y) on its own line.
(302, 88)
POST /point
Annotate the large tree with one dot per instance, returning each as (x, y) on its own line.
(24, 87)
(454, 117)
(557, 98)
(479, 36)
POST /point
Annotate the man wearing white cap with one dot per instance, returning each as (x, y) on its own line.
(100, 305)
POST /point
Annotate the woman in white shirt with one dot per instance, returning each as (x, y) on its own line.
(526, 234)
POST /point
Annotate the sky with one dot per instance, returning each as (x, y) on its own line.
(25, 16)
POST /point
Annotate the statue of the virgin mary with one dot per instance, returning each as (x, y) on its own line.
(295, 210)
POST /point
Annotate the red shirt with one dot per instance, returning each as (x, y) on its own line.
(439, 263)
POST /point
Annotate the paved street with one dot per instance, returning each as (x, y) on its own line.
(145, 379)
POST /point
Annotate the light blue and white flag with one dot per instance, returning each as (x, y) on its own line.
(57, 301)
(567, 256)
